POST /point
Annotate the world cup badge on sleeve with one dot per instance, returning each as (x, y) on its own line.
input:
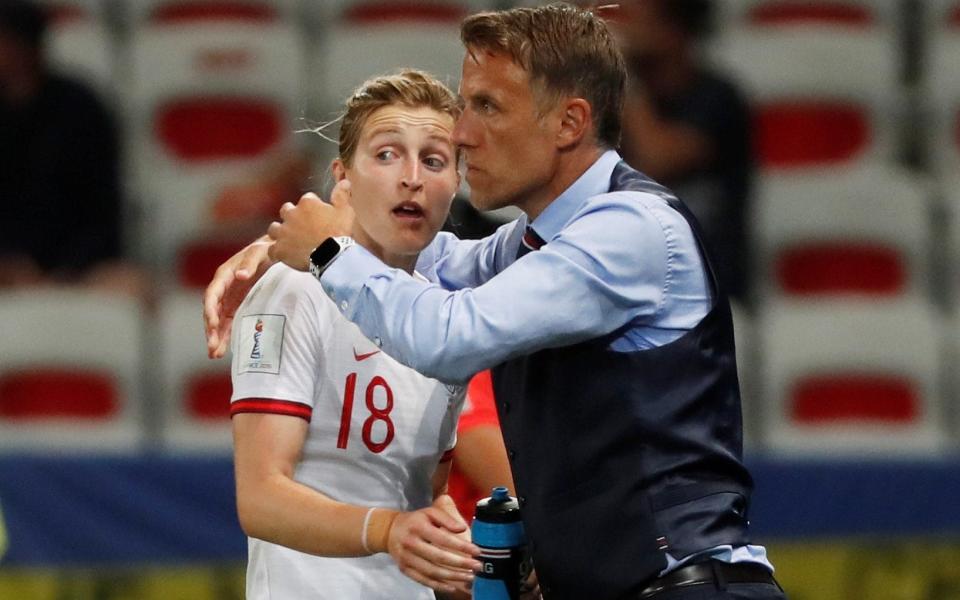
(261, 343)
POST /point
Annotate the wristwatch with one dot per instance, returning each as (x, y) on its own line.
(324, 254)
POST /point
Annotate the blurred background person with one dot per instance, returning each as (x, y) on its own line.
(60, 194)
(686, 126)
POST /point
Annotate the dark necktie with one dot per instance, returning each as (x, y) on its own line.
(530, 242)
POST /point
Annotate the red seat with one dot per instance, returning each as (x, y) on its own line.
(57, 393)
(805, 134)
(61, 14)
(205, 129)
(198, 260)
(789, 12)
(208, 396)
(213, 10)
(841, 267)
(850, 397)
(374, 12)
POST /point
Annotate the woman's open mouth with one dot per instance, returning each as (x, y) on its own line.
(409, 210)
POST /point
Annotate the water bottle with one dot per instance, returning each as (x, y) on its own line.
(498, 531)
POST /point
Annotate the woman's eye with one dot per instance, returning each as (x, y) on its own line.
(385, 155)
(434, 162)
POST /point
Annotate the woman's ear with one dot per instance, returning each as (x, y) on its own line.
(339, 171)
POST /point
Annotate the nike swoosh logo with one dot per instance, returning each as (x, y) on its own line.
(360, 357)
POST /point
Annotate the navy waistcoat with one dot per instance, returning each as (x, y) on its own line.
(620, 457)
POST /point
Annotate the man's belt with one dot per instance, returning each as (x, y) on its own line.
(712, 571)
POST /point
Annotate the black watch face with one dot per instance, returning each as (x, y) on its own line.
(325, 252)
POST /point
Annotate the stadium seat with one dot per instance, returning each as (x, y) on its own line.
(852, 376)
(210, 102)
(751, 406)
(184, 12)
(198, 258)
(821, 100)
(864, 233)
(195, 390)
(942, 86)
(333, 10)
(846, 14)
(391, 36)
(64, 11)
(81, 44)
(70, 371)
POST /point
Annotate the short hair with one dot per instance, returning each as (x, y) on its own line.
(24, 20)
(408, 87)
(566, 51)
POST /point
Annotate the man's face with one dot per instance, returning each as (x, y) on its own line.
(508, 150)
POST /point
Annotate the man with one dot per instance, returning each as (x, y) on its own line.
(59, 169)
(610, 340)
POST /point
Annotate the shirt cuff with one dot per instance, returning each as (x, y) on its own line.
(346, 276)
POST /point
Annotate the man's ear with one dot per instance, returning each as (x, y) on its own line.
(576, 120)
(339, 171)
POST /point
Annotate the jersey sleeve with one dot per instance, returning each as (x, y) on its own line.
(277, 344)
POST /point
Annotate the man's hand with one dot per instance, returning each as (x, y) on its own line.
(428, 546)
(303, 227)
(227, 290)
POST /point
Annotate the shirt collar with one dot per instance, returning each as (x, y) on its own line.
(594, 181)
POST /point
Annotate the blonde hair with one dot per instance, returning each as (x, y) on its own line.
(408, 87)
(566, 51)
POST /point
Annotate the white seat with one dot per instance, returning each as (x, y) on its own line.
(751, 405)
(79, 43)
(853, 377)
(949, 254)
(942, 86)
(821, 100)
(352, 52)
(194, 389)
(210, 102)
(865, 232)
(71, 371)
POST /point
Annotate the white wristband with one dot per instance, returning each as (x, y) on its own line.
(363, 533)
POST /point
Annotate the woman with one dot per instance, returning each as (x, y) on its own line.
(339, 450)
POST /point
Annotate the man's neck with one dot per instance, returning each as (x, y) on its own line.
(571, 166)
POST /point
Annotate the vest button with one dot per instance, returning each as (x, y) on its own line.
(522, 500)
(506, 407)
(511, 454)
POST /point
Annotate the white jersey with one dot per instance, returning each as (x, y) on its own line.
(377, 429)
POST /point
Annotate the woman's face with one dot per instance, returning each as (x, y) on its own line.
(403, 179)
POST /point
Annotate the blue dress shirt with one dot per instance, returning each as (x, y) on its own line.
(621, 261)
(612, 261)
